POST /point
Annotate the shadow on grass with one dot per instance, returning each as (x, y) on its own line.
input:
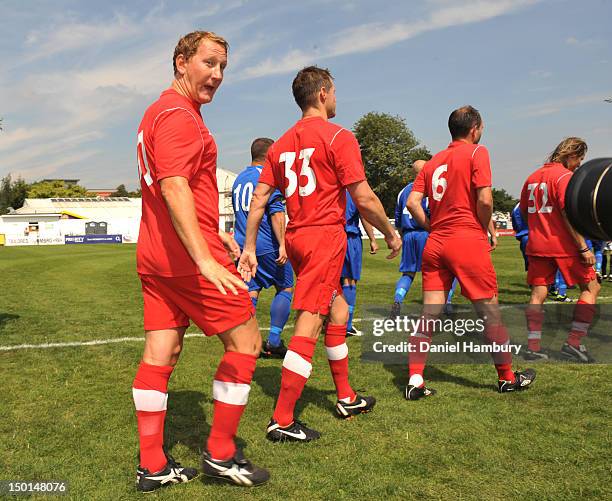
(5, 318)
(432, 374)
(269, 380)
(186, 422)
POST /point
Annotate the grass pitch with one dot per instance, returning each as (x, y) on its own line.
(66, 413)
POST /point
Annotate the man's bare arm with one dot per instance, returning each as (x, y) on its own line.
(248, 260)
(588, 257)
(370, 208)
(178, 196)
(415, 207)
(484, 206)
(493, 232)
(369, 229)
(277, 221)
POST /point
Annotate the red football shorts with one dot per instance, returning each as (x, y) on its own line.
(170, 302)
(466, 258)
(316, 254)
(542, 270)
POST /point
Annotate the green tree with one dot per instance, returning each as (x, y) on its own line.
(121, 191)
(388, 149)
(503, 201)
(12, 193)
(55, 189)
(135, 194)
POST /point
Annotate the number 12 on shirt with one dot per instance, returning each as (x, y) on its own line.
(288, 158)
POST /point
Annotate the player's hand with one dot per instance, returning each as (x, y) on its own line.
(493, 242)
(247, 266)
(394, 242)
(230, 244)
(221, 277)
(588, 258)
(373, 247)
(282, 255)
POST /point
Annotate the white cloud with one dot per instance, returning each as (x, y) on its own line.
(588, 42)
(542, 74)
(52, 115)
(556, 106)
(375, 36)
(72, 35)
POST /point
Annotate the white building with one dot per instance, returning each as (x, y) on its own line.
(50, 220)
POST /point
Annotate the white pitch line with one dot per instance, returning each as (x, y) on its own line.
(95, 342)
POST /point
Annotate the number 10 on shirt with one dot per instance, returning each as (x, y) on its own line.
(288, 158)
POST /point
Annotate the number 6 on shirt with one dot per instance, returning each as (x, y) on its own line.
(438, 182)
(288, 158)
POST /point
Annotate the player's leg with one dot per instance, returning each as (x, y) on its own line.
(270, 273)
(448, 307)
(534, 315)
(523, 247)
(231, 387)
(349, 292)
(279, 314)
(231, 318)
(540, 274)
(165, 327)
(254, 295)
(561, 287)
(316, 255)
(598, 251)
(497, 335)
(413, 244)
(585, 276)
(297, 367)
(437, 280)
(474, 270)
(402, 287)
(349, 402)
(420, 340)
(351, 273)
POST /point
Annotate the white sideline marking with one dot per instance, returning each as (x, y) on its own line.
(95, 342)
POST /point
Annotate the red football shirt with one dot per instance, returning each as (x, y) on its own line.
(543, 199)
(173, 141)
(311, 164)
(450, 180)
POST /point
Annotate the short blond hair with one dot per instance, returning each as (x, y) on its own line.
(188, 45)
(569, 147)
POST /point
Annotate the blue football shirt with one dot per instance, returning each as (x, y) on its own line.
(242, 192)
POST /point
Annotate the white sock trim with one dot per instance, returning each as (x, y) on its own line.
(295, 363)
(231, 393)
(416, 380)
(149, 400)
(534, 335)
(339, 352)
(580, 326)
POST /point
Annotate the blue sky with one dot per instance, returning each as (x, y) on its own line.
(76, 77)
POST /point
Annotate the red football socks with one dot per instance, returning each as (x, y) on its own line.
(497, 334)
(297, 367)
(583, 317)
(535, 319)
(231, 389)
(337, 355)
(150, 398)
(419, 344)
